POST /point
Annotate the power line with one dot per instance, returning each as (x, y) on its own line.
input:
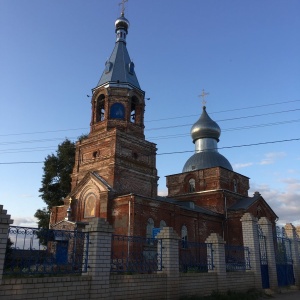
(180, 152)
(171, 118)
(153, 138)
(177, 126)
(228, 119)
(228, 110)
(236, 146)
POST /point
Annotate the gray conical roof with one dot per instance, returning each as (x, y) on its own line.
(205, 127)
(119, 68)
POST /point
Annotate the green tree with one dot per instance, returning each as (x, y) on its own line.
(56, 180)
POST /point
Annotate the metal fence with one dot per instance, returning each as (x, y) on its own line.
(32, 251)
(195, 257)
(237, 258)
(131, 254)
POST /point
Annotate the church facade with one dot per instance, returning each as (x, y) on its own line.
(115, 175)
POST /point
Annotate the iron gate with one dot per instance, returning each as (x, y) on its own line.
(263, 259)
(284, 260)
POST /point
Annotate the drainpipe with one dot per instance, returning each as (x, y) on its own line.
(129, 224)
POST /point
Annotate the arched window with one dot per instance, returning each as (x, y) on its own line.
(184, 236)
(108, 66)
(149, 228)
(134, 102)
(162, 224)
(235, 185)
(117, 111)
(100, 110)
(131, 67)
(192, 185)
(90, 206)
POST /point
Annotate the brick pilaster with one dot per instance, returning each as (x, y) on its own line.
(219, 262)
(170, 260)
(99, 256)
(4, 224)
(292, 235)
(266, 227)
(250, 239)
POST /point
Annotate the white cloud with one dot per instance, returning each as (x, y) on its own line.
(162, 193)
(242, 165)
(271, 157)
(285, 204)
(25, 221)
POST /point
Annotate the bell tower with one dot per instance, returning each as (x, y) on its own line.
(116, 148)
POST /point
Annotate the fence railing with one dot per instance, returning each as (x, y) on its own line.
(131, 254)
(33, 251)
(195, 257)
(237, 258)
(283, 250)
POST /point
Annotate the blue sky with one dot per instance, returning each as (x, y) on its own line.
(244, 53)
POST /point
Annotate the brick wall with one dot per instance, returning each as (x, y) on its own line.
(47, 288)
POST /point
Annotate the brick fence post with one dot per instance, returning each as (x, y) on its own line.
(266, 227)
(99, 255)
(170, 260)
(250, 240)
(218, 260)
(4, 224)
(292, 235)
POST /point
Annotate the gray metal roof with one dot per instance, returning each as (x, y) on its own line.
(245, 203)
(186, 205)
(205, 127)
(205, 160)
(119, 68)
(205, 134)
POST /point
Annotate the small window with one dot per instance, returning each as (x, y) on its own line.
(100, 110)
(134, 102)
(235, 185)
(149, 228)
(184, 237)
(162, 224)
(108, 66)
(117, 111)
(192, 185)
(131, 68)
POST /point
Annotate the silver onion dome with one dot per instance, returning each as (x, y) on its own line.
(122, 23)
(205, 127)
(205, 134)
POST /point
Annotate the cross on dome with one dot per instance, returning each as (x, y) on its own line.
(202, 95)
(123, 6)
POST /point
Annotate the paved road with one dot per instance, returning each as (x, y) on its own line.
(291, 295)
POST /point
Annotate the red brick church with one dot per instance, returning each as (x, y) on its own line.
(115, 175)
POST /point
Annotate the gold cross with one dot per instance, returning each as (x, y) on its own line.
(123, 6)
(203, 97)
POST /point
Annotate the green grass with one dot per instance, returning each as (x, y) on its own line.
(230, 295)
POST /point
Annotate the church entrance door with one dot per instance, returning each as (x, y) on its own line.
(263, 259)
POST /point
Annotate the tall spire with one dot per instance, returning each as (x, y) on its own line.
(119, 68)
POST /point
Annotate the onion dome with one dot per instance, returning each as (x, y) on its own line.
(205, 127)
(205, 134)
(122, 23)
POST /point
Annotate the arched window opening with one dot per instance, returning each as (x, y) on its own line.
(100, 114)
(149, 228)
(131, 67)
(235, 185)
(184, 237)
(192, 185)
(134, 102)
(162, 224)
(90, 206)
(117, 111)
